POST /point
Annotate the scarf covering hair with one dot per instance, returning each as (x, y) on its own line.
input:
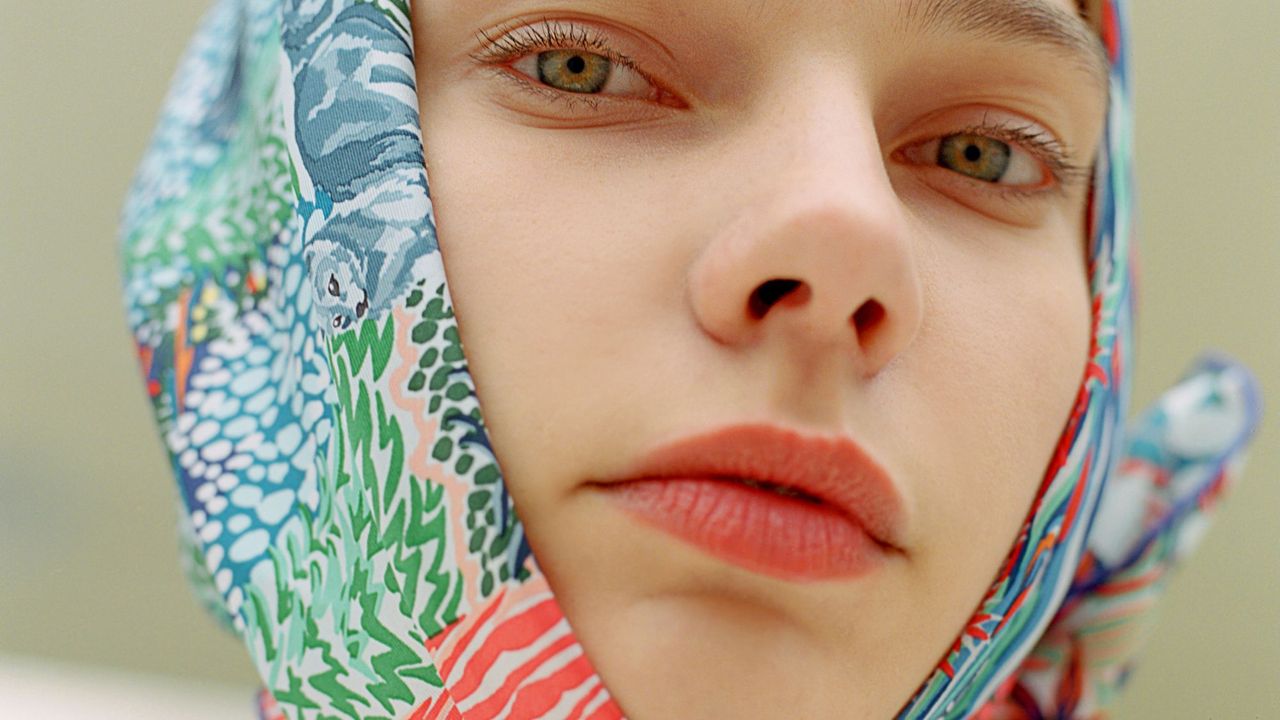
(342, 510)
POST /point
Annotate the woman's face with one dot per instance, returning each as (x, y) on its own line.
(832, 223)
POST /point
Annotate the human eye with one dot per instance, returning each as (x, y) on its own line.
(565, 61)
(1012, 156)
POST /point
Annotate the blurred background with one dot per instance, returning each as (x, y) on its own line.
(91, 597)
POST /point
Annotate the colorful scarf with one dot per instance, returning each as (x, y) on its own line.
(342, 510)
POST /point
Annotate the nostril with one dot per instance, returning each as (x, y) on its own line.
(771, 292)
(867, 319)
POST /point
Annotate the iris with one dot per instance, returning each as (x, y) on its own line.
(574, 70)
(979, 157)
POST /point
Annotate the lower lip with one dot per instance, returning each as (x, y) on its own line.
(761, 531)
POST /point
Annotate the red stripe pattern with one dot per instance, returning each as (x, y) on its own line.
(515, 658)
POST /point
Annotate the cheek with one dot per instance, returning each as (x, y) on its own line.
(494, 242)
(1001, 359)
(537, 223)
(555, 282)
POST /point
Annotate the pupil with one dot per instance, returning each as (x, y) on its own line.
(576, 64)
(972, 153)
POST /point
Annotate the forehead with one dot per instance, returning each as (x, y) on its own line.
(1062, 26)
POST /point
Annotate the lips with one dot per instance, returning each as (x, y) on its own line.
(769, 500)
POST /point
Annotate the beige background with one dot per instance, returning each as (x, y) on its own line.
(87, 554)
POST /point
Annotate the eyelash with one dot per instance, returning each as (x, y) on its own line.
(507, 43)
(1041, 144)
(510, 42)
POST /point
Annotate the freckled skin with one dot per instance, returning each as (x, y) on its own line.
(604, 267)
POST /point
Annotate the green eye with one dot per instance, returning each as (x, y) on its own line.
(979, 157)
(574, 71)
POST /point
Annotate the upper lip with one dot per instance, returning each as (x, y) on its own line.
(834, 470)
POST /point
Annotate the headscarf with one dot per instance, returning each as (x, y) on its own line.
(341, 506)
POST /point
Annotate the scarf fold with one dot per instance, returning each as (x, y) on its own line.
(341, 507)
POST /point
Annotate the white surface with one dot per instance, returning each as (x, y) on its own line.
(31, 688)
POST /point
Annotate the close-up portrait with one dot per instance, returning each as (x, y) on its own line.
(645, 359)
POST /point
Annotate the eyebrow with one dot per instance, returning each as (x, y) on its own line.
(1018, 22)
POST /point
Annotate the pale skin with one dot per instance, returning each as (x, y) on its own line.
(603, 249)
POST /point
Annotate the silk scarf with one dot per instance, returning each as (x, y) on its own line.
(341, 507)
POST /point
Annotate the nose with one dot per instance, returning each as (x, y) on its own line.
(818, 254)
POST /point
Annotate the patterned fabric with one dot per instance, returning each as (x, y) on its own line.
(1181, 456)
(342, 510)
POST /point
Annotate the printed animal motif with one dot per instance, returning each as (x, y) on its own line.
(356, 126)
(361, 260)
(333, 275)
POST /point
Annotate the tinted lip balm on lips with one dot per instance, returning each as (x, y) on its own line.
(769, 500)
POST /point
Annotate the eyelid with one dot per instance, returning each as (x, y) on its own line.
(1021, 134)
(514, 40)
